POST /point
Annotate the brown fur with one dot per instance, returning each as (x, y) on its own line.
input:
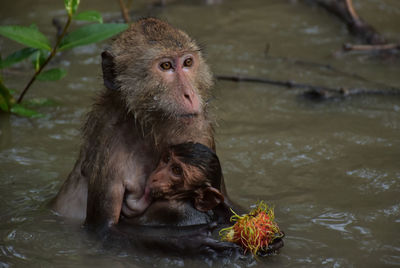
(133, 119)
(187, 173)
(152, 106)
(164, 186)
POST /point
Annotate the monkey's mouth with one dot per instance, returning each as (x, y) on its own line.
(159, 194)
(156, 194)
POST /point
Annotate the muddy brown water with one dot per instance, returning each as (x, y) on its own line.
(332, 169)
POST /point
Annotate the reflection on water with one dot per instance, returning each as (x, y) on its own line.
(331, 169)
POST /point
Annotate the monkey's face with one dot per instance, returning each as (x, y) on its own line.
(180, 94)
(173, 179)
(160, 72)
(176, 88)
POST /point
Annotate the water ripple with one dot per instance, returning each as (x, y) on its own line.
(19, 155)
(378, 180)
(10, 251)
(335, 220)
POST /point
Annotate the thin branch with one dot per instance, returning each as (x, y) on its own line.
(344, 10)
(350, 47)
(289, 84)
(350, 8)
(314, 91)
(124, 11)
(330, 68)
(346, 92)
(52, 54)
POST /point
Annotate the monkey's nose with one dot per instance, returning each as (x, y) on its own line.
(191, 102)
(188, 98)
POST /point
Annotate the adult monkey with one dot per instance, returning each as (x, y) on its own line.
(157, 84)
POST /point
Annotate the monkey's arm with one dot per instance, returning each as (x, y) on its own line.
(195, 241)
(71, 199)
(105, 190)
(104, 203)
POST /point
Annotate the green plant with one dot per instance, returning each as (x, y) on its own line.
(39, 49)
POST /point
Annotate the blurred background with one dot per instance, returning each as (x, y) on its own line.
(331, 166)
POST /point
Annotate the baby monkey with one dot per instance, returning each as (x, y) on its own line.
(185, 172)
(188, 171)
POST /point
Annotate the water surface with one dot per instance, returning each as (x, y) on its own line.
(331, 168)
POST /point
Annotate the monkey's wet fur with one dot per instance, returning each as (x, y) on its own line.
(156, 84)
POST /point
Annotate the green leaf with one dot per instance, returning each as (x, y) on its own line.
(39, 58)
(90, 15)
(71, 6)
(91, 33)
(17, 57)
(5, 92)
(5, 97)
(52, 75)
(3, 103)
(23, 111)
(28, 36)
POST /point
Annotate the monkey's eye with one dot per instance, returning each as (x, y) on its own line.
(176, 170)
(166, 65)
(188, 62)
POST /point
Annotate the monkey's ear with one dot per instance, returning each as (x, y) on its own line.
(207, 198)
(109, 72)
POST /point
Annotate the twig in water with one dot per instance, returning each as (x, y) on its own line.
(351, 47)
(344, 10)
(313, 91)
(124, 11)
